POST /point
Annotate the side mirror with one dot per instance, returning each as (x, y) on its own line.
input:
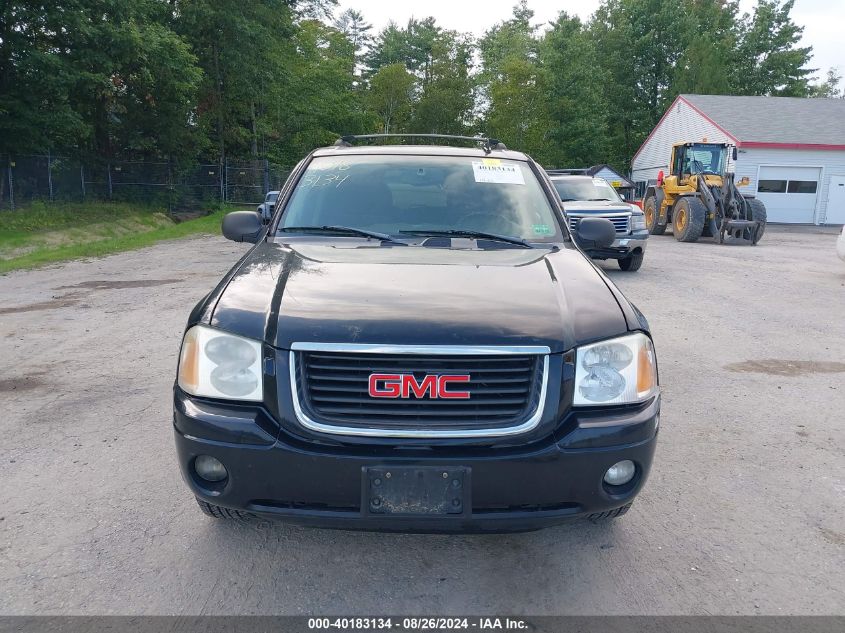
(242, 226)
(595, 233)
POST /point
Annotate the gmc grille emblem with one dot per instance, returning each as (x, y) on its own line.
(406, 385)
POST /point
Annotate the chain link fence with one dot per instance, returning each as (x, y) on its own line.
(180, 187)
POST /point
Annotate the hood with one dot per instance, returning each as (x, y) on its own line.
(598, 206)
(358, 292)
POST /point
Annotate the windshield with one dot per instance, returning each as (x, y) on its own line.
(396, 195)
(701, 158)
(586, 189)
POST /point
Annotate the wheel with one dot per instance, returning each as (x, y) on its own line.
(632, 262)
(688, 217)
(758, 212)
(652, 217)
(217, 512)
(601, 517)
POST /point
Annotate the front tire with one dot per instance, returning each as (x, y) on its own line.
(602, 517)
(688, 217)
(218, 512)
(632, 262)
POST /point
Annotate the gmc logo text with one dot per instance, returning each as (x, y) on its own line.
(406, 385)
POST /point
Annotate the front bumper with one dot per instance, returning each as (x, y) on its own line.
(621, 247)
(511, 488)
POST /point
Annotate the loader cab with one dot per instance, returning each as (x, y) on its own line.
(693, 159)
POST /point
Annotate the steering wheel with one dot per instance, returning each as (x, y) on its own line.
(490, 223)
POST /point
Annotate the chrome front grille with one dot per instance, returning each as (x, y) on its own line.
(330, 385)
(621, 222)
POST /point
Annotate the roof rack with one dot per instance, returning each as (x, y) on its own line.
(568, 172)
(487, 144)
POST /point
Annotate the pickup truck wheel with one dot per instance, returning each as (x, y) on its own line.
(601, 517)
(211, 510)
(632, 262)
(652, 219)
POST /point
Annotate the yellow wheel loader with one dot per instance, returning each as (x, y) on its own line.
(699, 197)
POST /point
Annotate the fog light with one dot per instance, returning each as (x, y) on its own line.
(620, 473)
(210, 468)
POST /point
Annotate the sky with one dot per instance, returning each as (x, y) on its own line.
(822, 19)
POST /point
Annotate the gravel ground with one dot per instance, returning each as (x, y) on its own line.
(743, 512)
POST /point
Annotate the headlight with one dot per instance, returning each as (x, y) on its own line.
(619, 371)
(220, 365)
(638, 222)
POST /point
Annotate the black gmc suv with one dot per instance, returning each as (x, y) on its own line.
(416, 342)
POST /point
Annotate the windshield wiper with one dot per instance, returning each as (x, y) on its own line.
(342, 230)
(471, 234)
(600, 200)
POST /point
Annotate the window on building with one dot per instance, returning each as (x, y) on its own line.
(771, 186)
(802, 186)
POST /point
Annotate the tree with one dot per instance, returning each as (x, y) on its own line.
(515, 84)
(708, 62)
(641, 43)
(830, 88)
(157, 91)
(576, 85)
(246, 51)
(518, 114)
(703, 68)
(446, 99)
(390, 94)
(102, 77)
(439, 63)
(274, 78)
(390, 46)
(357, 30)
(36, 114)
(320, 103)
(770, 61)
(513, 38)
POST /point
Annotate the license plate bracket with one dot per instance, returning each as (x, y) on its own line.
(415, 491)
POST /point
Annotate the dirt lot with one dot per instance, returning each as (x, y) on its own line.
(744, 512)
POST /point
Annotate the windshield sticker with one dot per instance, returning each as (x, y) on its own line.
(495, 171)
(542, 229)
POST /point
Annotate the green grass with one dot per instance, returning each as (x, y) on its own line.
(43, 234)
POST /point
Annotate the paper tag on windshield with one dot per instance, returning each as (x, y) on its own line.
(495, 171)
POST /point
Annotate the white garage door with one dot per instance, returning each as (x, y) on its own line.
(789, 193)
